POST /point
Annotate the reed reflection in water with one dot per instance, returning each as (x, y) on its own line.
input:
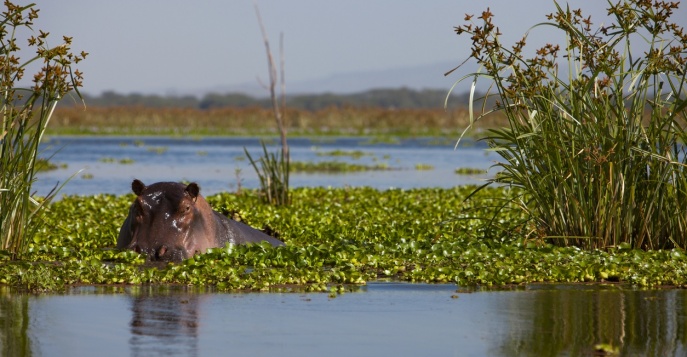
(14, 323)
(569, 320)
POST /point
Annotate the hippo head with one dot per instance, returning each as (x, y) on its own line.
(164, 220)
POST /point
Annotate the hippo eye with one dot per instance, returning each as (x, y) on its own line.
(138, 213)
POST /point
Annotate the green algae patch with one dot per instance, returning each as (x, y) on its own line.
(334, 237)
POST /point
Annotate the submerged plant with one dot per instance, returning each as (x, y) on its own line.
(598, 148)
(26, 112)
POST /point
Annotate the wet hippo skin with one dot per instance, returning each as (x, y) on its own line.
(171, 221)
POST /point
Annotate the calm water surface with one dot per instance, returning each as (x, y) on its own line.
(213, 162)
(380, 319)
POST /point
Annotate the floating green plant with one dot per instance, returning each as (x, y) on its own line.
(45, 165)
(470, 171)
(336, 166)
(334, 237)
(111, 160)
(424, 167)
(388, 139)
(157, 149)
(355, 154)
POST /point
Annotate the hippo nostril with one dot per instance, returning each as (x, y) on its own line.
(162, 251)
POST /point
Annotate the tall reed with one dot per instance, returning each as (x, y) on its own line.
(25, 116)
(274, 172)
(598, 148)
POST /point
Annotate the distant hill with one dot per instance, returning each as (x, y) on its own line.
(413, 77)
(406, 87)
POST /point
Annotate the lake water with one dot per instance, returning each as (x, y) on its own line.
(213, 162)
(380, 319)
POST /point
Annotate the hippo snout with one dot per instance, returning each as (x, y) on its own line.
(161, 253)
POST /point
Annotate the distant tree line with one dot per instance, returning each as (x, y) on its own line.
(401, 98)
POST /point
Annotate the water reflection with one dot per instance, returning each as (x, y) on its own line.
(14, 323)
(571, 320)
(164, 321)
(381, 319)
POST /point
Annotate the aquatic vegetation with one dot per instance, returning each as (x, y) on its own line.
(46, 165)
(391, 140)
(596, 171)
(334, 237)
(112, 160)
(273, 174)
(469, 171)
(336, 166)
(424, 167)
(354, 154)
(27, 107)
(158, 149)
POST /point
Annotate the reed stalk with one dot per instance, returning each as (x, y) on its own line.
(274, 172)
(598, 147)
(26, 113)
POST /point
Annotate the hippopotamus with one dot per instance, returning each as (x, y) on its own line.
(171, 221)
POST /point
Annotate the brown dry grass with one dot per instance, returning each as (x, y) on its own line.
(252, 121)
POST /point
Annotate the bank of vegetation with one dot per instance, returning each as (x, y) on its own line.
(335, 237)
(257, 120)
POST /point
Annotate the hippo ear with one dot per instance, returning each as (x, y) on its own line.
(193, 190)
(137, 186)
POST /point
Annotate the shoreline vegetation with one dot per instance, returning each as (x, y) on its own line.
(236, 121)
(334, 237)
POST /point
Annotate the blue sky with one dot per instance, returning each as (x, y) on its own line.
(179, 46)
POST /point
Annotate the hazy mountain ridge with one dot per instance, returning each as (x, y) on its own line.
(420, 77)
